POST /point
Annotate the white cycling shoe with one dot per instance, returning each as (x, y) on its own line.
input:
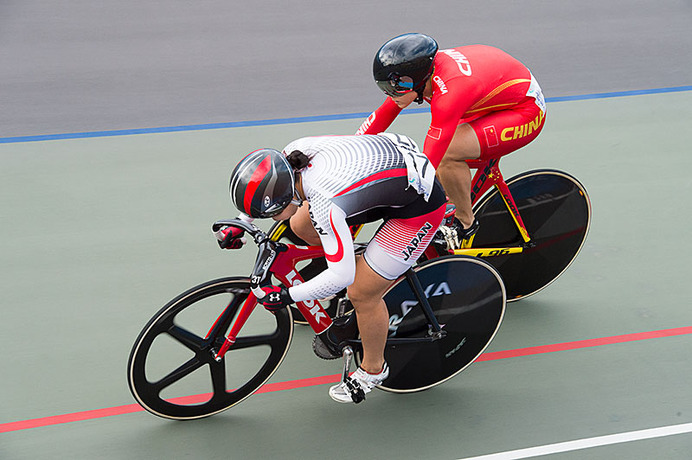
(359, 383)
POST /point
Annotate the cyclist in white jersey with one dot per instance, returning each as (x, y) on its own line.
(346, 180)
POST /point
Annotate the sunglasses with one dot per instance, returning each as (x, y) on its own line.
(396, 86)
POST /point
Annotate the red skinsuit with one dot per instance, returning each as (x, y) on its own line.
(480, 85)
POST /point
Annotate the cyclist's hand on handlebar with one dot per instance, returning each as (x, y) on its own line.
(230, 238)
(275, 298)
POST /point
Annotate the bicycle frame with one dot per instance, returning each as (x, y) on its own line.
(283, 268)
(488, 175)
(280, 260)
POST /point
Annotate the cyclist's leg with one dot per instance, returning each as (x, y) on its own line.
(373, 320)
(454, 172)
(489, 136)
(397, 244)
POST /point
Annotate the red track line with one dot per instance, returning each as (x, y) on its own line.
(584, 344)
(308, 382)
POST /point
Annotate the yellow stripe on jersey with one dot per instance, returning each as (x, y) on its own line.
(477, 106)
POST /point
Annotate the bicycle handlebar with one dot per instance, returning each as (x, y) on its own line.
(267, 251)
(255, 232)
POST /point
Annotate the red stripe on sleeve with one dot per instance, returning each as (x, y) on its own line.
(339, 254)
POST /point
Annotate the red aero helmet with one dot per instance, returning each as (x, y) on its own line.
(262, 184)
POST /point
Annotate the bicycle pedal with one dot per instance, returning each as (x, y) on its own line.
(357, 393)
(447, 238)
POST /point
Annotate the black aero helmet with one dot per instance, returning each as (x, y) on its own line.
(404, 64)
(262, 183)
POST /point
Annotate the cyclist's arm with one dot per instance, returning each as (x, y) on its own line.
(446, 112)
(380, 119)
(341, 260)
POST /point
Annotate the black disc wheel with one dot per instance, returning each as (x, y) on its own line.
(468, 299)
(172, 372)
(556, 211)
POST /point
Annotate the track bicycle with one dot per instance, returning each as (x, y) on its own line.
(212, 347)
(532, 227)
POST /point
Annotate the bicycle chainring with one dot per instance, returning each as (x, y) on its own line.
(322, 350)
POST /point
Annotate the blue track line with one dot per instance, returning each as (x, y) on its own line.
(283, 121)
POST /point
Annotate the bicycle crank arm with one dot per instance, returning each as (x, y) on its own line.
(347, 355)
(401, 340)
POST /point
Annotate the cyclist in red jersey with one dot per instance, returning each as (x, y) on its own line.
(484, 104)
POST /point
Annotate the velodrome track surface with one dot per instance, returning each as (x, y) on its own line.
(99, 232)
(92, 66)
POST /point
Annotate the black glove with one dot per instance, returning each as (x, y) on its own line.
(230, 238)
(275, 298)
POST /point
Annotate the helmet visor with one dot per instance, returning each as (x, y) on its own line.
(273, 212)
(397, 86)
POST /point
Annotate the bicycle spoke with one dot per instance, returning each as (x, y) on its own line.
(181, 372)
(185, 337)
(225, 318)
(218, 379)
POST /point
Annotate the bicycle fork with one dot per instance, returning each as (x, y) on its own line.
(245, 311)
